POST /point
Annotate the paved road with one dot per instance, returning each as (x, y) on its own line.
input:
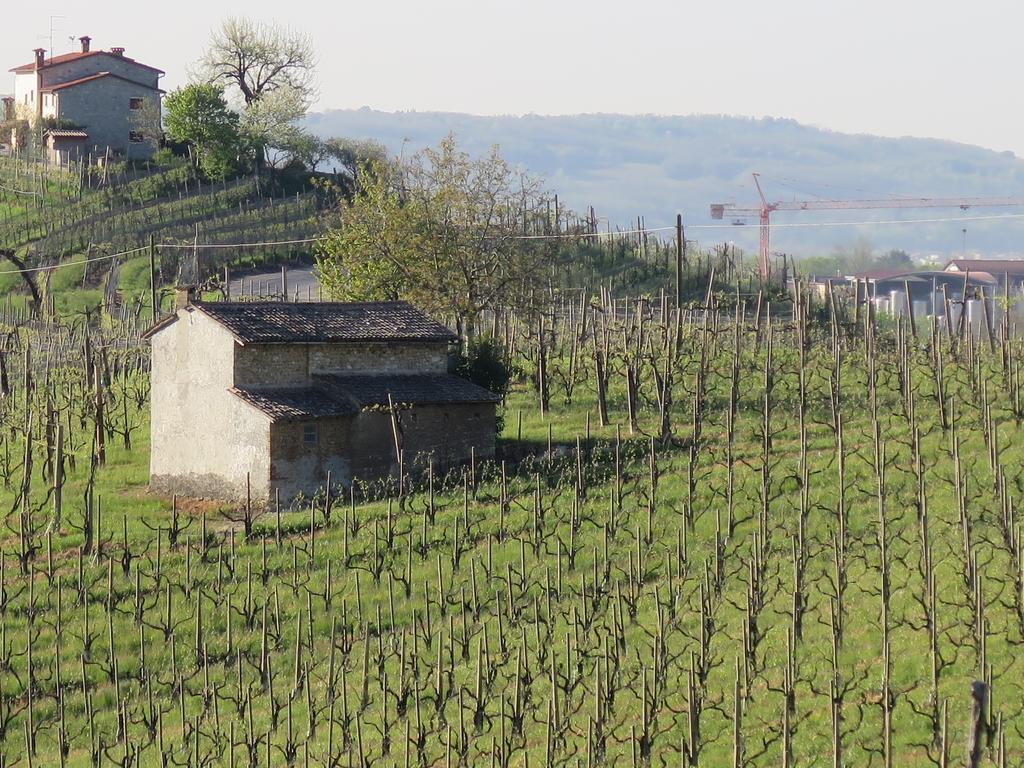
(301, 280)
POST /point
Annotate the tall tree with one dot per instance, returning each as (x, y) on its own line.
(271, 69)
(199, 114)
(443, 230)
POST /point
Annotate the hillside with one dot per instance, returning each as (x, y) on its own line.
(806, 557)
(653, 166)
(95, 228)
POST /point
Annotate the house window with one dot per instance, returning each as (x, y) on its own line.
(310, 434)
(135, 102)
(135, 137)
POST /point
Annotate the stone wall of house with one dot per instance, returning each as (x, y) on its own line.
(204, 440)
(361, 447)
(298, 466)
(271, 365)
(443, 434)
(397, 357)
(101, 108)
(289, 365)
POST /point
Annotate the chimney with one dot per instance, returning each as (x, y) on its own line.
(85, 40)
(183, 296)
(117, 51)
(40, 57)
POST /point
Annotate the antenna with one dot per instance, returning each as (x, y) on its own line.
(52, 18)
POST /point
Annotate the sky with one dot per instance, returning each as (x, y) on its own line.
(933, 68)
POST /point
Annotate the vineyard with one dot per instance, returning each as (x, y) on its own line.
(716, 536)
(66, 216)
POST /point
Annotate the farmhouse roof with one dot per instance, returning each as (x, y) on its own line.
(340, 395)
(365, 390)
(67, 133)
(880, 274)
(995, 267)
(294, 404)
(97, 76)
(320, 322)
(55, 61)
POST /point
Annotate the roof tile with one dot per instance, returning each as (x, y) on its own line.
(64, 58)
(319, 322)
(294, 404)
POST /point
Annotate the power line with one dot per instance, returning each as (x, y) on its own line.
(193, 246)
(559, 236)
(74, 263)
(812, 224)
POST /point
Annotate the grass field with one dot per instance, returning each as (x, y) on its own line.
(777, 595)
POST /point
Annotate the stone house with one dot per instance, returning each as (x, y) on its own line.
(282, 393)
(103, 94)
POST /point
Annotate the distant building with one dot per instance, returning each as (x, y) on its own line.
(1006, 272)
(100, 95)
(282, 393)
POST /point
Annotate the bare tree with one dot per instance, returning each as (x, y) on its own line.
(272, 70)
(258, 59)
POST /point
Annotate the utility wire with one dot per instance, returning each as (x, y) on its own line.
(645, 230)
(193, 246)
(74, 263)
(812, 224)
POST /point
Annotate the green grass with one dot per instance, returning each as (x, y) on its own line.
(622, 609)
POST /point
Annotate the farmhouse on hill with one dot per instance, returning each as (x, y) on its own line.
(91, 100)
(280, 394)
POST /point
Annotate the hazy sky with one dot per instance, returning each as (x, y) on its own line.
(892, 67)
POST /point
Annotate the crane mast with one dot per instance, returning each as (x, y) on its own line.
(766, 208)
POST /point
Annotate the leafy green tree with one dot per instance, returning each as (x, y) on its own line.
(442, 230)
(353, 154)
(485, 363)
(895, 259)
(199, 114)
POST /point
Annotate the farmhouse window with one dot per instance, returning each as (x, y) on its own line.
(135, 137)
(309, 434)
(135, 102)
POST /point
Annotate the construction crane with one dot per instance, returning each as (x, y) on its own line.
(765, 209)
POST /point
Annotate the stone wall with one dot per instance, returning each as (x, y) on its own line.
(204, 439)
(301, 467)
(398, 357)
(361, 447)
(443, 434)
(271, 365)
(101, 107)
(292, 365)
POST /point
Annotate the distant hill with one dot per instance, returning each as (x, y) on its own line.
(653, 166)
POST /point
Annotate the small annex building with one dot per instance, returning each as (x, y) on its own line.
(280, 394)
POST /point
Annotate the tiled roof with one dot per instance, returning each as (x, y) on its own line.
(341, 395)
(67, 133)
(97, 76)
(417, 389)
(294, 404)
(995, 267)
(275, 321)
(54, 61)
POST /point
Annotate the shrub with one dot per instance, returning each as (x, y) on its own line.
(485, 365)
